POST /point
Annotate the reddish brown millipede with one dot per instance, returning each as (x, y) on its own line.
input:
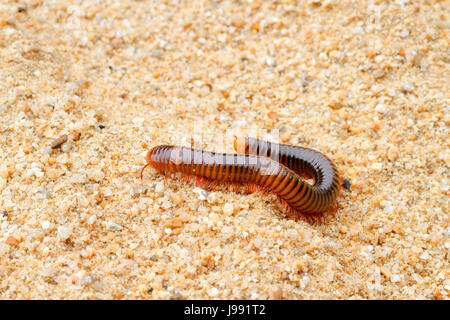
(266, 166)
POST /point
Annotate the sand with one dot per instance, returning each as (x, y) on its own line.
(87, 88)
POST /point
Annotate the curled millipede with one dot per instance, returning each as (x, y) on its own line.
(266, 166)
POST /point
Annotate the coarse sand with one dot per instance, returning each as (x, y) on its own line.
(88, 87)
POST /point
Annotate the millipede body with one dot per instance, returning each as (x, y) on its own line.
(271, 167)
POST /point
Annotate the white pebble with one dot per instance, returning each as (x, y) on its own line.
(42, 193)
(66, 147)
(202, 194)
(47, 273)
(407, 87)
(424, 256)
(137, 189)
(78, 178)
(160, 188)
(228, 209)
(212, 197)
(47, 150)
(391, 92)
(271, 62)
(130, 51)
(377, 166)
(166, 205)
(107, 192)
(64, 232)
(33, 172)
(395, 278)
(96, 175)
(45, 225)
(381, 108)
(111, 226)
(214, 292)
(358, 30)
(91, 219)
(156, 53)
(404, 33)
(4, 172)
(84, 253)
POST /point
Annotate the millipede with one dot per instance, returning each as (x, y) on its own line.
(278, 169)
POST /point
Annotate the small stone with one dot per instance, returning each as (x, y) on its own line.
(346, 184)
(157, 53)
(272, 115)
(137, 189)
(204, 91)
(212, 197)
(130, 51)
(214, 292)
(358, 31)
(111, 226)
(64, 232)
(377, 166)
(381, 108)
(91, 219)
(174, 223)
(228, 209)
(76, 136)
(5, 214)
(166, 205)
(47, 273)
(202, 194)
(59, 141)
(45, 225)
(12, 241)
(271, 62)
(107, 192)
(84, 253)
(404, 33)
(160, 188)
(66, 147)
(78, 178)
(381, 238)
(34, 172)
(4, 171)
(101, 126)
(52, 173)
(238, 23)
(335, 105)
(424, 256)
(95, 175)
(277, 293)
(379, 74)
(407, 87)
(391, 92)
(42, 193)
(395, 278)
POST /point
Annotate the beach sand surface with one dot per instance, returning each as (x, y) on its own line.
(88, 87)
